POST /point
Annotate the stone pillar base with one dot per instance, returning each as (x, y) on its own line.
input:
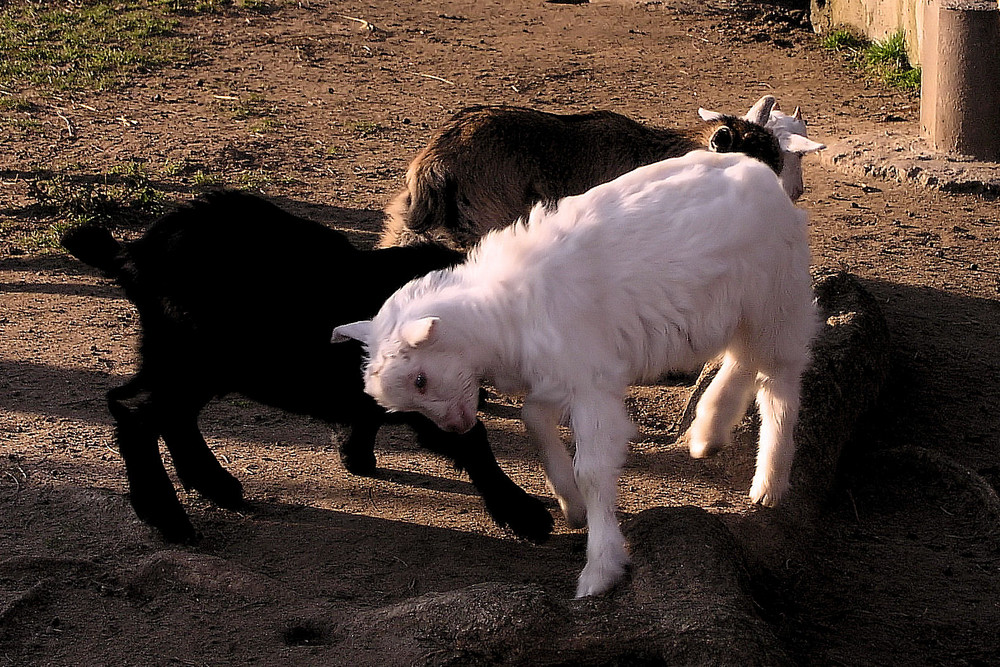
(960, 91)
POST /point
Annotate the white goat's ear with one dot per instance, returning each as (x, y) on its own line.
(709, 116)
(761, 111)
(796, 143)
(419, 332)
(797, 114)
(354, 331)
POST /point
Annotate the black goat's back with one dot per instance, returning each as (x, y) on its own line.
(245, 296)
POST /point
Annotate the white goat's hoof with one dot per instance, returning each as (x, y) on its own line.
(701, 448)
(767, 492)
(575, 513)
(601, 574)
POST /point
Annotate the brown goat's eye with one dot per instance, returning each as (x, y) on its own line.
(420, 382)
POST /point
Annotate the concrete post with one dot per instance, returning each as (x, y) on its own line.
(960, 89)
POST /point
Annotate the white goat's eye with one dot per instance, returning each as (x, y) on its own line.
(420, 382)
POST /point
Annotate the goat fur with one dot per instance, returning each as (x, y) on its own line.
(663, 268)
(488, 166)
(236, 295)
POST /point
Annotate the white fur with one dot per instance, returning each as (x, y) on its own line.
(662, 268)
(792, 138)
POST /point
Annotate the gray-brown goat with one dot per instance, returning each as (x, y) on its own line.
(489, 165)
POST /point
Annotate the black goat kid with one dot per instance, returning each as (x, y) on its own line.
(236, 295)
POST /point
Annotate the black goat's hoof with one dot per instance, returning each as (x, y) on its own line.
(166, 516)
(176, 535)
(177, 531)
(359, 464)
(224, 491)
(525, 516)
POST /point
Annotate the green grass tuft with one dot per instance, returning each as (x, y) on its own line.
(216, 6)
(87, 45)
(842, 40)
(886, 60)
(96, 44)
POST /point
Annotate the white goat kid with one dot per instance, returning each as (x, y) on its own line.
(663, 268)
(790, 132)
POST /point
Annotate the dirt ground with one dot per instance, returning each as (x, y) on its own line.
(901, 567)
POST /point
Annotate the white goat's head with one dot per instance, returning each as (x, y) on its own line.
(410, 368)
(791, 134)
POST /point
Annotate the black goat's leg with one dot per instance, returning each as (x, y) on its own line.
(357, 450)
(507, 503)
(194, 461)
(151, 492)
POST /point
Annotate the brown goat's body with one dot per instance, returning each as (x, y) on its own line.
(488, 166)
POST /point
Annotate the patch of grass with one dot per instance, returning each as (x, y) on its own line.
(25, 124)
(889, 59)
(87, 44)
(263, 126)
(253, 107)
(96, 44)
(885, 60)
(16, 104)
(122, 196)
(251, 179)
(364, 128)
(204, 179)
(171, 168)
(842, 40)
(44, 239)
(217, 6)
(255, 179)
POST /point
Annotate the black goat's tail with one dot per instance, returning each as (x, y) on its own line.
(94, 246)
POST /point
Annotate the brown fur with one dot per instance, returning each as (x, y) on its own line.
(489, 165)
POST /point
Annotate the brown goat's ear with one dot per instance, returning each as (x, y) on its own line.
(419, 332)
(709, 116)
(722, 139)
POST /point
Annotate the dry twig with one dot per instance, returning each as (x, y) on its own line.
(69, 125)
(365, 25)
(436, 78)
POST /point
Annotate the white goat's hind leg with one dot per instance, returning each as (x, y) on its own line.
(542, 422)
(602, 429)
(778, 400)
(721, 407)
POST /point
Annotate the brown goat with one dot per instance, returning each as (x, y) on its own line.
(489, 165)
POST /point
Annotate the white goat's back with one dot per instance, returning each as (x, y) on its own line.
(657, 267)
(661, 268)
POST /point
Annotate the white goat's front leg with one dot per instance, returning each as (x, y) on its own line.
(542, 421)
(778, 400)
(602, 429)
(721, 407)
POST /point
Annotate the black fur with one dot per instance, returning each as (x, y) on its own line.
(236, 295)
